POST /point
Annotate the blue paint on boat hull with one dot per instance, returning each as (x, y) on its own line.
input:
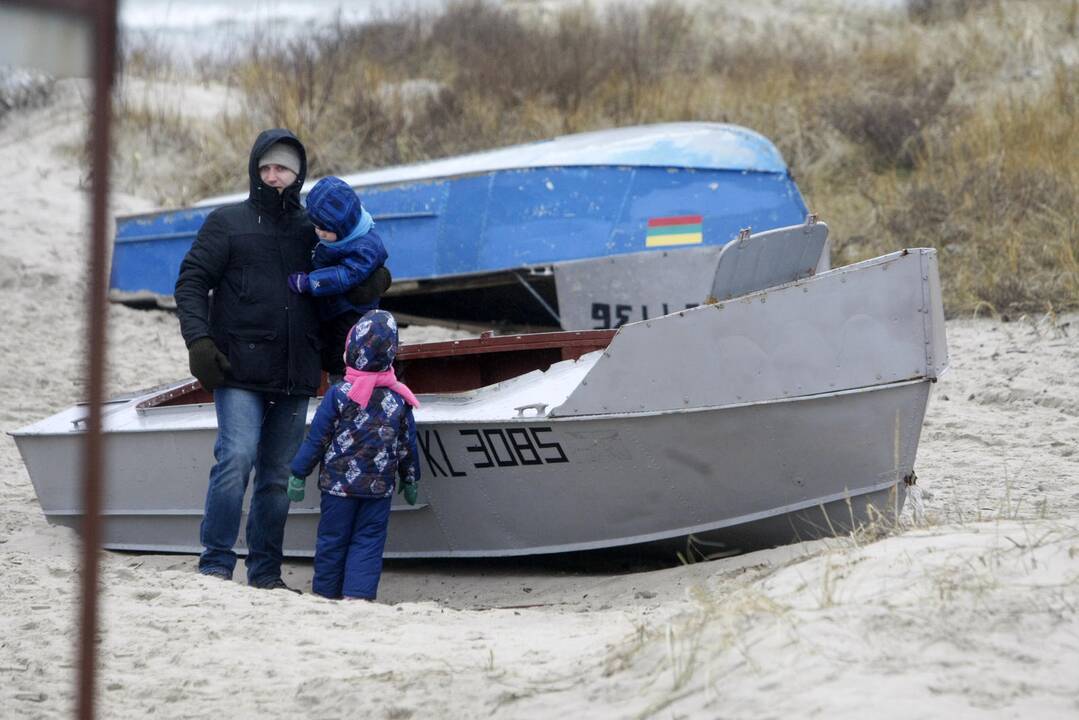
(502, 220)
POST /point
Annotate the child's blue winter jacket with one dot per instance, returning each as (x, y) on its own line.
(341, 266)
(363, 450)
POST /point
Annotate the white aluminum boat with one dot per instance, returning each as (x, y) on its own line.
(782, 408)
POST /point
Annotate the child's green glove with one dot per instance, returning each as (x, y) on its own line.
(409, 491)
(295, 488)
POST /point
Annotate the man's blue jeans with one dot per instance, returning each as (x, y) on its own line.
(260, 431)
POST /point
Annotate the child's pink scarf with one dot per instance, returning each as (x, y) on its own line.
(364, 383)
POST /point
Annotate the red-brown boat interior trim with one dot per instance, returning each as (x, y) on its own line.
(459, 365)
(454, 365)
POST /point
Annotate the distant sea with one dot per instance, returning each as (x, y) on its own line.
(197, 15)
(184, 15)
(198, 27)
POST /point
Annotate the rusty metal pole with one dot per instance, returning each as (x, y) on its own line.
(104, 65)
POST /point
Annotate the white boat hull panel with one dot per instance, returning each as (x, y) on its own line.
(554, 485)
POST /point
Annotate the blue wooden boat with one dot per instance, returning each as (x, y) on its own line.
(591, 230)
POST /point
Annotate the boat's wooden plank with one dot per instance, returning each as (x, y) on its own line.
(489, 343)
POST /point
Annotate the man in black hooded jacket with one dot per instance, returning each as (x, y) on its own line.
(255, 345)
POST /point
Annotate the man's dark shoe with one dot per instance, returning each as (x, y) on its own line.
(216, 572)
(278, 584)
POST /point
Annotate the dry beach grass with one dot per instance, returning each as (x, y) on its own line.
(972, 612)
(952, 124)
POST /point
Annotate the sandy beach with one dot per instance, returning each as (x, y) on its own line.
(970, 610)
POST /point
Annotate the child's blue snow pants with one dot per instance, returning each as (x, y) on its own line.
(348, 550)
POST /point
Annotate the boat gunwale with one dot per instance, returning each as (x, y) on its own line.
(207, 205)
(490, 343)
(550, 418)
(501, 159)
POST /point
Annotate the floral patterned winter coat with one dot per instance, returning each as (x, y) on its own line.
(363, 450)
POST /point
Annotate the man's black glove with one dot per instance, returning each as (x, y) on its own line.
(371, 289)
(207, 363)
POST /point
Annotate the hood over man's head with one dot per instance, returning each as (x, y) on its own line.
(282, 144)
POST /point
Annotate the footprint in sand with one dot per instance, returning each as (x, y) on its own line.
(57, 571)
(11, 270)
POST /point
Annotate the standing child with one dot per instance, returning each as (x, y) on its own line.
(349, 252)
(365, 435)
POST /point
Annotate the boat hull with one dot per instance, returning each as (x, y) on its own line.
(477, 233)
(550, 485)
(790, 411)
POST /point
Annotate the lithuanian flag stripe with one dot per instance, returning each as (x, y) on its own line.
(675, 230)
(666, 240)
(676, 220)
